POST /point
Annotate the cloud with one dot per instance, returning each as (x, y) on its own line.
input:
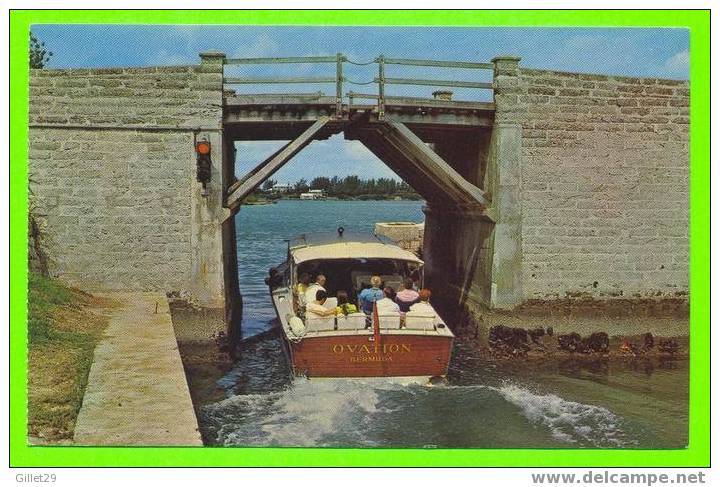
(679, 63)
(617, 52)
(264, 46)
(165, 58)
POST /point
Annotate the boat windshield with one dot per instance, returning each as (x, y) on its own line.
(325, 238)
(353, 275)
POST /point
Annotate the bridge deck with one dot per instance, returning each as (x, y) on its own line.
(284, 116)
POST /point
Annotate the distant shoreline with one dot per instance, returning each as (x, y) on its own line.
(269, 201)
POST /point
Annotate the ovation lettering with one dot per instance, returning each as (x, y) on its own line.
(386, 348)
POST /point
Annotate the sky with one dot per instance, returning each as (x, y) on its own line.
(649, 52)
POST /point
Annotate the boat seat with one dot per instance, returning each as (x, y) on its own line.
(355, 321)
(325, 323)
(283, 306)
(389, 321)
(349, 323)
(415, 320)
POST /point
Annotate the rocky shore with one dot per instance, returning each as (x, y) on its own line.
(629, 328)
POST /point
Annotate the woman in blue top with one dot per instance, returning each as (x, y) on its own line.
(367, 297)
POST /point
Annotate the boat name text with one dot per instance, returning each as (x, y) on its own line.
(339, 348)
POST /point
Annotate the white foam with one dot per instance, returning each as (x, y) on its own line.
(302, 415)
(344, 412)
(568, 421)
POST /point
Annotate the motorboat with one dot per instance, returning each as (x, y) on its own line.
(380, 344)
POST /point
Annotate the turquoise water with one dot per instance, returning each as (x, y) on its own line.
(560, 404)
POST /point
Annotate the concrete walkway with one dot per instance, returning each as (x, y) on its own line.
(137, 393)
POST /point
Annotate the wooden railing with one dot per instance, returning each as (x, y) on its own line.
(381, 80)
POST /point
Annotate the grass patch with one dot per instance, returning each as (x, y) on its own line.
(62, 334)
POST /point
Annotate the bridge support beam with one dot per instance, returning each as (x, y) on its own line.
(242, 188)
(428, 162)
(404, 152)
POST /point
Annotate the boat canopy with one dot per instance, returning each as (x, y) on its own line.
(352, 250)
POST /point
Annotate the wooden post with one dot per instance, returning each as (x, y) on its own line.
(338, 86)
(381, 87)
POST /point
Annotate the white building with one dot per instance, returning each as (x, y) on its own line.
(281, 188)
(313, 194)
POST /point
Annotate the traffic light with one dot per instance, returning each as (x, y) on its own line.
(204, 164)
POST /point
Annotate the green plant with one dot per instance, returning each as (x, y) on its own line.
(39, 55)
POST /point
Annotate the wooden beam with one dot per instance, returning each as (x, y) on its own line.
(435, 82)
(439, 64)
(435, 166)
(242, 188)
(438, 190)
(234, 186)
(282, 60)
(278, 81)
(415, 170)
(395, 160)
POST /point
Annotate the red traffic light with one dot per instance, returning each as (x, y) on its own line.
(202, 147)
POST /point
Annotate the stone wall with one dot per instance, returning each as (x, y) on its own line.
(588, 176)
(604, 183)
(407, 235)
(112, 172)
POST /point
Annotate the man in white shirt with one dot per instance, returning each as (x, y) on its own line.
(318, 285)
(423, 306)
(387, 305)
(316, 308)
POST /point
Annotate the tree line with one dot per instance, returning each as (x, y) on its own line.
(349, 187)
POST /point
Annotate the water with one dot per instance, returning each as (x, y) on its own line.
(557, 404)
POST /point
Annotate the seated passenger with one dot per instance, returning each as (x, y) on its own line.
(387, 305)
(301, 287)
(315, 309)
(407, 296)
(274, 279)
(318, 285)
(424, 306)
(416, 278)
(367, 297)
(344, 306)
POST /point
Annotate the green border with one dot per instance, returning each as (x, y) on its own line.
(697, 454)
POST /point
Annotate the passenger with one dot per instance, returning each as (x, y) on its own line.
(367, 297)
(407, 295)
(275, 279)
(318, 285)
(416, 277)
(316, 308)
(344, 306)
(423, 306)
(302, 287)
(387, 304)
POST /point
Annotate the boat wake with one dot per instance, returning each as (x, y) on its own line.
(305, 414)
(391, 413)
(569, 421)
